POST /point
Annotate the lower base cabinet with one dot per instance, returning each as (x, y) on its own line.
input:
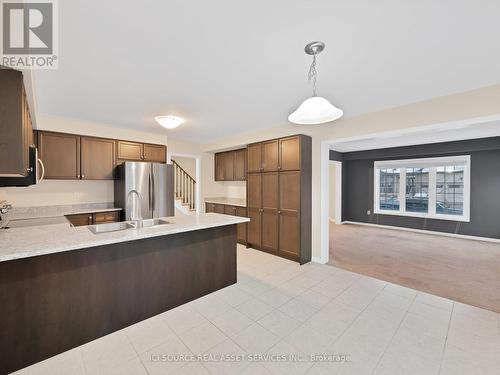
(231, 210)
(79, 220)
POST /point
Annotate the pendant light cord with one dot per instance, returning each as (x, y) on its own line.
(313, 73)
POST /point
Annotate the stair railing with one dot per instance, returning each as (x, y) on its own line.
(184, 186)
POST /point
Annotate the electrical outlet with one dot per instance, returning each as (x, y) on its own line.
(368, 212)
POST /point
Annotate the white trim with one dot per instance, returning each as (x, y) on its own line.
(324, 203)
(318, 260)
(424, 231)
(431, 164)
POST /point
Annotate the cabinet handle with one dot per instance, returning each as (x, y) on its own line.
(279, 212)
(83, 176)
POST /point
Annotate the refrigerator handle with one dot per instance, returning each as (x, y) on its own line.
(153, 198)
(150, 191)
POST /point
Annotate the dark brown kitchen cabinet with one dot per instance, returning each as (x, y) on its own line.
(80, 220)
(90, 218)
(279, 201)
(129, 151)
(254, 234)
(234, 211)
(155, 153)
(254, 157)
(270, 155)
(15, 125)
(219, 208)
(60, 154)
(242, 228)
(97, 158)
(230, 165)
(289, 153)
(219, 166)
(240, 165)
(105, 217)
(254, 190)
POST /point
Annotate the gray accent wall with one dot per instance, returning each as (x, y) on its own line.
(358, 184)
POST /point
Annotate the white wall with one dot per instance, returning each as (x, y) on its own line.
(188, 164)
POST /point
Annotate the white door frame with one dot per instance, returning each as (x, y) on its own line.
(197, 177)
(338, 191)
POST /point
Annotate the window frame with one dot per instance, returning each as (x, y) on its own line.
(432, 164)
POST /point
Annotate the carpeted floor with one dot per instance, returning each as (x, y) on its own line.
(463, 270)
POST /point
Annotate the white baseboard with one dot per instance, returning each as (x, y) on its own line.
(444, 234)
(318, 260)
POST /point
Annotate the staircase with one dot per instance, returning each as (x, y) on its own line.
(184, 190)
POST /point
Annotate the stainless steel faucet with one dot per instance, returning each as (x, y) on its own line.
(136, 219)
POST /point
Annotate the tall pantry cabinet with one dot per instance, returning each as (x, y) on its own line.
(279, 197)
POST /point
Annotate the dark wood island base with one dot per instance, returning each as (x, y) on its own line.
(52, 303)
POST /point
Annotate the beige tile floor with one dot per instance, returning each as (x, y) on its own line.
(280, 308)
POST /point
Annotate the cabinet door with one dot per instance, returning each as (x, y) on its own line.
(228, 166)
(240, 165)
(130, 151)
(98, 158)
(270, 230)
(230, 210)
(270, 155)
(289, 187)
(219, 166)
(155, 153)
(289, 234)
(60, 154)
(290, 153)
(254, 190)
(219, 208)
(270, 191)
(14, 161)
(242, 228)
(254, 157)
(209, 207)
(289, 214)
(254, 235)
(106, 217)
(80, 219)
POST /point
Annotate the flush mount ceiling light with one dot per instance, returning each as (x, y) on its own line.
(169, 122)
(315, 110)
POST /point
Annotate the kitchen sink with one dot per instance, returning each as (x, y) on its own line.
(146, 223)
(110, 227)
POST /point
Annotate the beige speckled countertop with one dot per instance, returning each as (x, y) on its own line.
(240, 202)
(19, 243)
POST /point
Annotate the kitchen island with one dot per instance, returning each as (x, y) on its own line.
(61, 287)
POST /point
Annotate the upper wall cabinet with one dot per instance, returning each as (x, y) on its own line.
(97, 158)
(74, 157)
(129, 150)
(60, 154)
(155, 153)
(230, 165)
(274, 155)
(134, 151)
(16, 132)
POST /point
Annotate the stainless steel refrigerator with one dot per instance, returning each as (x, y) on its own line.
(154, 183)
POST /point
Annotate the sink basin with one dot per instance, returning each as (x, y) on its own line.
(110, 227)
(146, 223)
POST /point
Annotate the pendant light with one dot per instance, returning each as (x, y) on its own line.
(316, 109)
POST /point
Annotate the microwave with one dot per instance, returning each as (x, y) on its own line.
(35, 174)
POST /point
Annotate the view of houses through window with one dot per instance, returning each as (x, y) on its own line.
(434, 187)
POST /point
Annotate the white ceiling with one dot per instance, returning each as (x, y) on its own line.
(231, 66)
(455, 131)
